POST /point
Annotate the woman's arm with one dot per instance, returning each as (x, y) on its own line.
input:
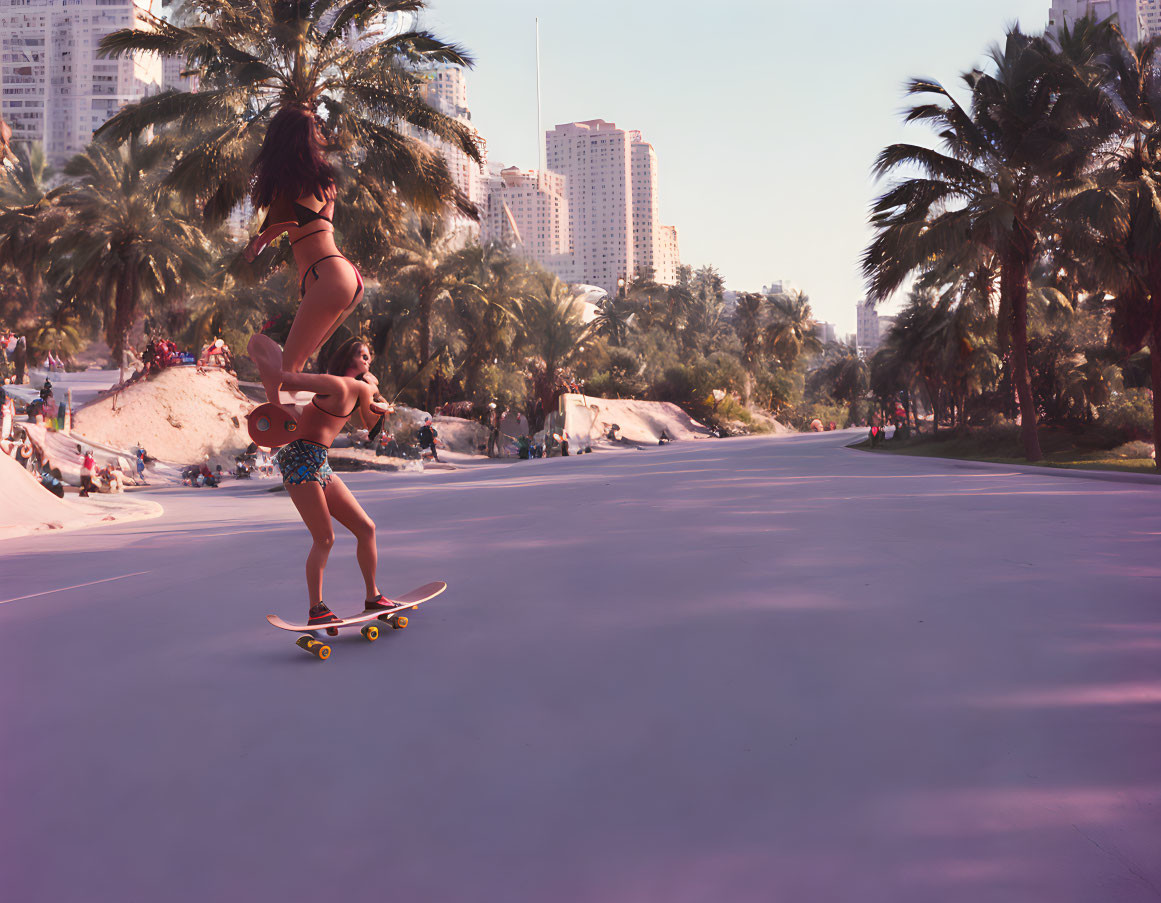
(279, 218)
(338, 387)
(370, 409)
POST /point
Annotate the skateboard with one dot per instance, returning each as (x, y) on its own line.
(270, 426)
(369, 631)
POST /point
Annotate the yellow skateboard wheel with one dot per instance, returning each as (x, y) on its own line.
(319, 650)
(370, 633)
(400, 622)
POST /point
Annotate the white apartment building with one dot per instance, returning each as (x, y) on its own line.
(528, 211)
(1150, 11)
(595, 158)
(867, 335)
(54, 90)
(826, 332)
(447, 91)
(654, 248)
(1131, 15)
(669, 256)
(171, 77)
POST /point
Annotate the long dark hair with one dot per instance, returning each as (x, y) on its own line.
(340, 360)
(293, 161)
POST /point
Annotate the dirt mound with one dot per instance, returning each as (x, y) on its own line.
(180, 416)
(589, 419)
(30, 508)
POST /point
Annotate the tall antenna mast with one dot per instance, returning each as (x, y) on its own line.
(539, 127)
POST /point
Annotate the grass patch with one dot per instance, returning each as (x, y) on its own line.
(1003, 445)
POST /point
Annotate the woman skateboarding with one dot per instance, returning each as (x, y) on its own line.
(317, 492)
(295, 183)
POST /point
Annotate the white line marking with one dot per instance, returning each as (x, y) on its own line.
(78, 586)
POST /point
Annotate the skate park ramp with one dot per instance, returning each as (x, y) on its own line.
(587, 420)
(30, 508)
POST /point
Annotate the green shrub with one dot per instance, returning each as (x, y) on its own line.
(1127, 417)
(620, 377)
(827, 413)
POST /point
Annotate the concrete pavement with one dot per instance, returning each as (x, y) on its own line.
(746, 670)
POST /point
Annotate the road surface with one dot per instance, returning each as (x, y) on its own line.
(748, 670)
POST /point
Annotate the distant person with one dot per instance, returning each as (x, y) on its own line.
(141, 466)
(87, 467)
(663, 439)
(427, 437)
(7, 415)
(20, 359)
(113, 478)
(493, 430)
(564, 446)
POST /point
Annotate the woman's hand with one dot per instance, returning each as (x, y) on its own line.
(257, 243)
(382, 407)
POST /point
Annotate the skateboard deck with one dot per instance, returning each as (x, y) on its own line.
(370, 631)
(270, 426)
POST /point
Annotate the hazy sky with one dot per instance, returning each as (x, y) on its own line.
(765, 114)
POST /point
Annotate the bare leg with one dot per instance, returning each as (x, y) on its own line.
(311, 503)
(267, 357)
(348, 512)
(326, 304)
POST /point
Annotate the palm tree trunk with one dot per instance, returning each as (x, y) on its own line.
(424, 331)
(1014, 284)
(1155, 373)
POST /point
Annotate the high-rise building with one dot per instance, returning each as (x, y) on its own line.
(668, 256)
(446, 90)
(1130, 15)
(654, 245)
(528, 211)
(595, 157)
(1150, 11)
(867, 324)
(54, 90)
(611, 184)
(825, 332)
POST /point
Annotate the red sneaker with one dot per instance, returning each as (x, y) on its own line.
(380, 603)
(320, 616)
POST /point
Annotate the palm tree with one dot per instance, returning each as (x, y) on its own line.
(1117, 221)
(551, 333)
(492, 281)
(127, 243)
(340, 58)
(704, 320)
(1004, 166)
(29, 215)
(748, 317)
(614, 319)
(648, 299)
(790, 331)
(423, 258)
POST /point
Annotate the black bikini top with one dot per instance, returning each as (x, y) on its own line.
(304, 215)
(281, 216)
(347, 416)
